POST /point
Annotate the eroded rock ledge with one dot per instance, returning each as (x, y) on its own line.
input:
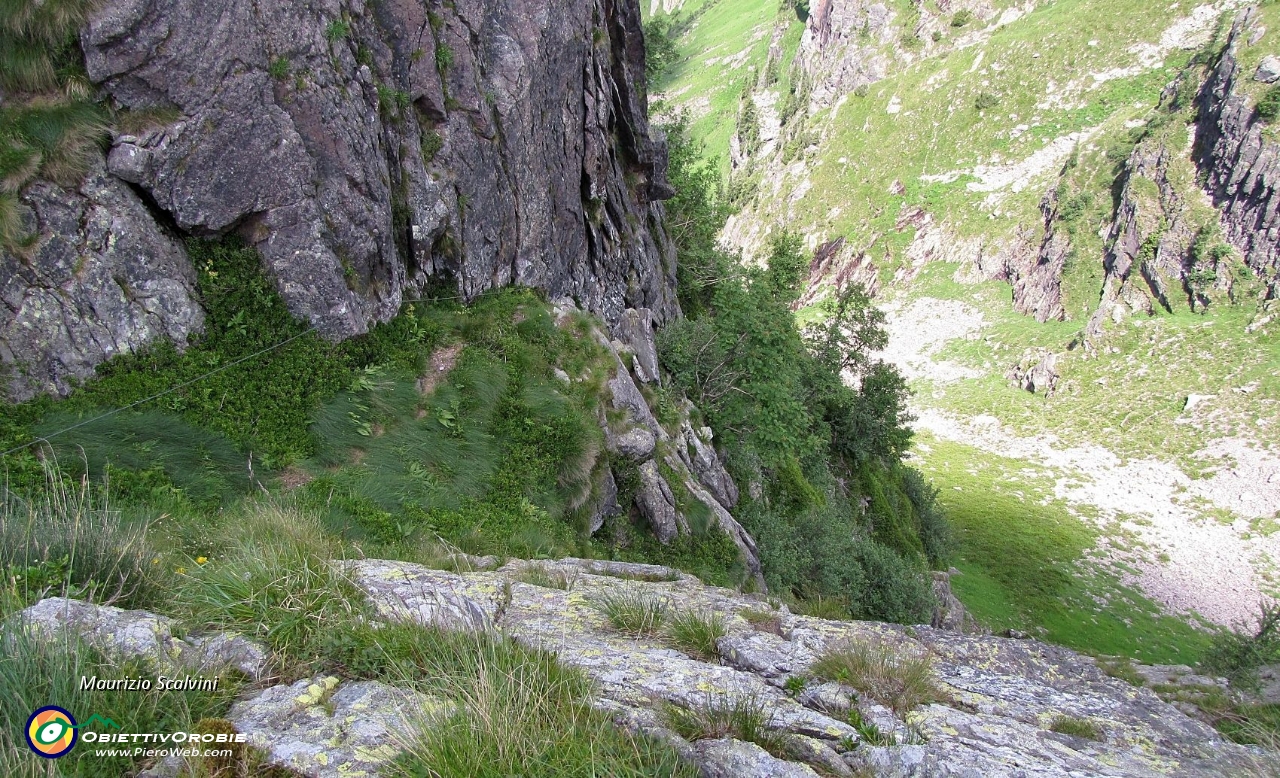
(1000, 695)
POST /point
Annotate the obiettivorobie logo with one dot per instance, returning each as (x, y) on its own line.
(52, 731)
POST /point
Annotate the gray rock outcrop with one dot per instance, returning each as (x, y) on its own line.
(137, 634)
(991, 708)
(322, 728)
(1240, 163)
(362, 149)
(102, 279)
(997, 697)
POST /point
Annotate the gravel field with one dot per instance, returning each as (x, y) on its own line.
(1188, 556)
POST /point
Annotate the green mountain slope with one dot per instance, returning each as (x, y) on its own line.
(985, 168)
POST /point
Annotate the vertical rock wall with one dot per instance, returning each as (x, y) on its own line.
(363, 148)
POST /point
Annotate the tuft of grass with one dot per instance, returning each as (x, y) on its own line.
(741, 717)
(1268, 106)
(696, 632)
(763, 620)
(795, 684)
(820, 607)
(277, 584)
(537, 575)
(1122, 668)
(633, 612)
(520, 712)
(279, 68)
(337, 30)
(65, 541)
(868, 731)
(1076, 727)
(901, 678)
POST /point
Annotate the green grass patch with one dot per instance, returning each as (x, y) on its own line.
(1023, 557)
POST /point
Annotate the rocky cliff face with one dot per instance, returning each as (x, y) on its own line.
(363, 148)
(1241, 162)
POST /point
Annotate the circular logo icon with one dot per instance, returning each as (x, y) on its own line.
(51, 731)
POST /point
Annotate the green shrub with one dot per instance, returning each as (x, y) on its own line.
(895, 589)
(900, 677)
(633, 612)
(1238, 654)
(696, 632)
(985, 101)
(1076, 727)
(661, 51)
(962, 18)
(1269, 104)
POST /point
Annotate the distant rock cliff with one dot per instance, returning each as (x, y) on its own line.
(362, 148)
(1241, 165)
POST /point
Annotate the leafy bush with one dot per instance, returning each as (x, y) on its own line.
(895, 589)
(661, 52)
(900, 677)
(1269, 104)
(962, 18)
(1238, 654)
(985, 101)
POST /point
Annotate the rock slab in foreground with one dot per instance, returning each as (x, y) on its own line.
(1001, 695)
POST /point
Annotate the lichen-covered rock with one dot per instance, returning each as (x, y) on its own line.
(636, 443)
(321, 728)
(138, 634)
(658, 505)
(227, 649)
(736, 759)
(996, 703)
(102, 279)
(948, 611)
(415, 593)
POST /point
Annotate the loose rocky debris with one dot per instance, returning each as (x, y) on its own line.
(994, 703)
(1036, 372)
